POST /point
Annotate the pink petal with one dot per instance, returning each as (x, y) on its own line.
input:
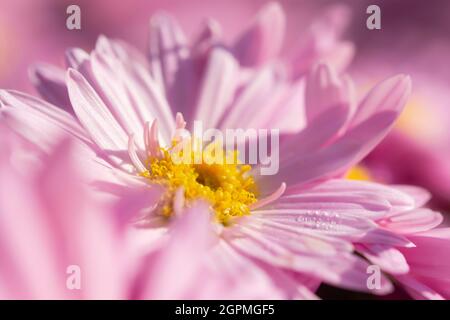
(317, 133)
(322, 42)
(58, 227)
(292, 236)
(326, 222)
(291, 101)
(429, 258)
(341, 55)
(357, 198)
(24, 239)
(75, 57)
(226, 268)
(343, 270)
(338, 156)
(209, 36)
(417, 220)
(111, 82)
(86, 235)
(263, 39)
(386, 237)
(49, 81)
(420, 195)
(46, 111)
(167, 48)
(389, 259)
(218, 87)
(132, 152)
(418, 290)
(94, 115)
(389, 95)
(369, 126)
(255, 93)
(136, 98)
(295, 285)
(190, 237)
(324, 90)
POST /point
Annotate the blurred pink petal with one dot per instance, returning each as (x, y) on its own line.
(263, 39)
(50, 83)
(429, 263)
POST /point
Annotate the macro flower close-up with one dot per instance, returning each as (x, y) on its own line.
(223, 159)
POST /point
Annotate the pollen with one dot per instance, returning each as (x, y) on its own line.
(226, 185)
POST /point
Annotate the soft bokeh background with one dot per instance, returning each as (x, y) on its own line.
(414, 39)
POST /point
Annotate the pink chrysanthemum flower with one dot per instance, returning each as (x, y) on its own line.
(283, 234)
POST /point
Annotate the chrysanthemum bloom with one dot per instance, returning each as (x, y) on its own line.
(294, 229)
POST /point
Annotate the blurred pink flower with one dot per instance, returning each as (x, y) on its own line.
(418, 149)
(299, 230)
(50, 223)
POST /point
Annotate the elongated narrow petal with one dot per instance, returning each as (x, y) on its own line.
(389, 259)
(50, 82)
(38, 121)
(389, 95)
(358, 198)
(255, 93)
(167, 48)
(218, 87)
(75, 57)
(129, 91)
(93, 114)
(324, 90)
(190, 236)
(409, 222)
(263, 40)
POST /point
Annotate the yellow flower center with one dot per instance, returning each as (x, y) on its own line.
(418, 122)
(227, 187)
(359, 172)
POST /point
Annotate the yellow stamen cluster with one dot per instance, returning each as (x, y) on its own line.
(227, 187)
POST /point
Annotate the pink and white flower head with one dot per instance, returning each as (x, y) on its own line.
(290, 231)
